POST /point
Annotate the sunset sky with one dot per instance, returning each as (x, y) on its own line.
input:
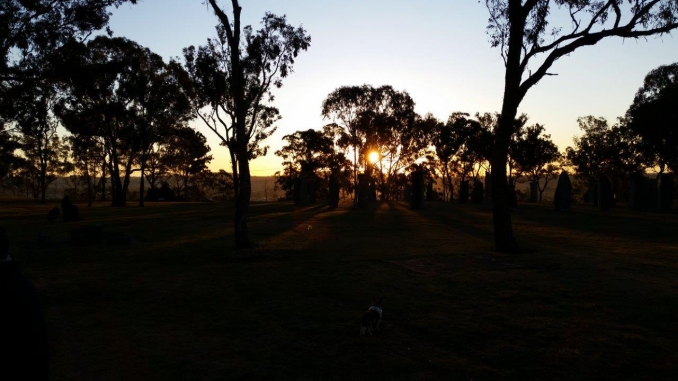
(437, 51)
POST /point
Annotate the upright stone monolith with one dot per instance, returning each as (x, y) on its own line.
(605, 196)
(665, 191)
(300, 193)
(463, 192)
(418, 190)
(563, 197)
(478, 192)
(637, 189)
(363, 191)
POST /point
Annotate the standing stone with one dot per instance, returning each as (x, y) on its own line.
(605, 196)
(665, 191)
(300, 191)
(407, 192)
(363, 191)
(637, 188)
(563, 196)
(534, 191)
(590, 195)
(478, 192)
(418, 187)
(463, 192)
(69, 211)
(333, 194)
(487, 195)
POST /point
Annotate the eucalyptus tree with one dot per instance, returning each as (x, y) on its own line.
(391, 132)
(186, 154)
(535, 156)
(377, 120)
(311, 154)
(602, 149)
(345, 106)
(32, 33)
(521, 29)
(160, 95)
(234, 76)
(653, 117)
(38, 129)
(123, 94)
(446, 144)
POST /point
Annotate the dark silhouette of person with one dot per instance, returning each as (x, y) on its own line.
(23, 336)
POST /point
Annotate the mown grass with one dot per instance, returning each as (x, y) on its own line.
(594, 296)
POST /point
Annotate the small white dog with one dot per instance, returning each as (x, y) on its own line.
(371, 318)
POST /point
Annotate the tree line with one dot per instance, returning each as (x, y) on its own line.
(125, 107)
(376, 131)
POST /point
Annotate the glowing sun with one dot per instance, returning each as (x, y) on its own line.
(373, 157)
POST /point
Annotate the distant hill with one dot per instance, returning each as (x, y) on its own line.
(262, 188)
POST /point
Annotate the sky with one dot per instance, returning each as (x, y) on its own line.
(436, 50)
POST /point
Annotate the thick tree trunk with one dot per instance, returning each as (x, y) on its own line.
(503, 230)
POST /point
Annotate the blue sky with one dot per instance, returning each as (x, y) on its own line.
(436, 50)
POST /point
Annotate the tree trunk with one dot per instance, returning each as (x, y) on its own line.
(43, 182)
(141, 183)
(503, 231)
(103, 180)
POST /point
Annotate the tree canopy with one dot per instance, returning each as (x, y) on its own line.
(653, 116)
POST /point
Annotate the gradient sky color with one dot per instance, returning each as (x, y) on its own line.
(436, 50)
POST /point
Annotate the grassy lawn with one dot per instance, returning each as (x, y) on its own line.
(595, 296)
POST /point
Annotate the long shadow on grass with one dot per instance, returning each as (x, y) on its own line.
(630, 224)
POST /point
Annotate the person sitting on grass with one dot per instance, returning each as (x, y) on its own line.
(23, 337)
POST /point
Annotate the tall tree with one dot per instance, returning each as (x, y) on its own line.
(235, 75)
(38, 125)
(534, 155)
(653, 116)
(187, 154)
(112, 97)
(311, 154)
(602, 149)
(391, 132)
(344, 106)
(520, 28)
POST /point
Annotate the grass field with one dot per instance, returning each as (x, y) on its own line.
(595, 295)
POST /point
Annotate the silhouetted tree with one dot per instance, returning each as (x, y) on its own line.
(602, 149)
(39, 139)
(653, 117)
(520, 29)
(534, 155)
(234, 76)
(186, 155)
(344, 106)
(31, 33)
(9, 160)
(109, 98)
(311, 154)
(446, 143)
(390, 131)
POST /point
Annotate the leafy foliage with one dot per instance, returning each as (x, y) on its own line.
(653, 116)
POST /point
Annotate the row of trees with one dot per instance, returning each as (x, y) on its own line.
(116, 92)
(376, 131)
